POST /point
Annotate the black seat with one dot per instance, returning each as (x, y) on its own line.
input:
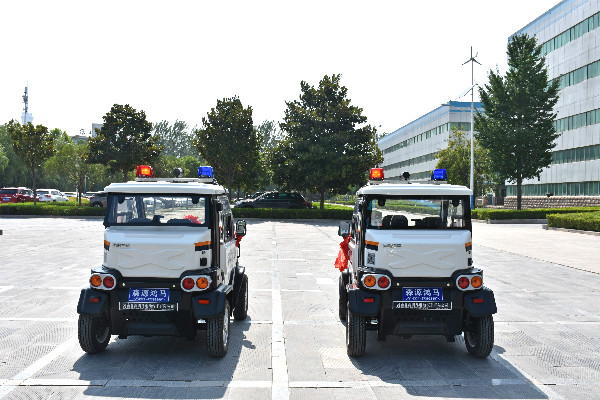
(398, 222)
(432, 222)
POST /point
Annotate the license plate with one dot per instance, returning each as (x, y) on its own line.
(148, 306)
(5, 199)
(423, 305)
(139, 295)
(422, 294)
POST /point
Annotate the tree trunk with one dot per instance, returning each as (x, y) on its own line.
(124, 174)
(33, 186)
(322, 200)
(519, 183)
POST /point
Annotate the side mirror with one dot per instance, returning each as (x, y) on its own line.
(344, 229)
(240, 228)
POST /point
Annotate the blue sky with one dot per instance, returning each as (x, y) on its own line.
(398, 59)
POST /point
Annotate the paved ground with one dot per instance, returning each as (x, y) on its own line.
(292, 345)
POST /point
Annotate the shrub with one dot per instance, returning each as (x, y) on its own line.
(536, 213)
(586, 221)
(67, 208)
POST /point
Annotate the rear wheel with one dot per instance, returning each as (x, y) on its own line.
(217, 333)
(93, 333)
(479, 336)
(240, 311)
(356, 333)
(343, 300)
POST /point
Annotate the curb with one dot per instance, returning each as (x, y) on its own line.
(551, 228)
(517, 221)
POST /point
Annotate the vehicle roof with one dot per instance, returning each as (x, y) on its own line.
(164, 187)
(414, 188)
(14, 187)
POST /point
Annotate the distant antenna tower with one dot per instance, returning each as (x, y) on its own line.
(26, 117)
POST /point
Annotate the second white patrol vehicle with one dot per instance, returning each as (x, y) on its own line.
(410, 269)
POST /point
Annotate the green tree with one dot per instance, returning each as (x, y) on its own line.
(327, 146)
(518, 124)
(176, 139)
(456, 159)
(70, 163)
(15, 173)
(3, 158)
(124, 141)
(228, 141)
(34, 145)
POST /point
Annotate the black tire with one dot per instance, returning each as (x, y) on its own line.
(343, 301)
(96, 205)
(93, 333)
(240, 311)
(217, 333)
(356, 333)
(479, 336)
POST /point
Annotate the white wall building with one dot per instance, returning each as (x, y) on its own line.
(413, 147)
(570, 37)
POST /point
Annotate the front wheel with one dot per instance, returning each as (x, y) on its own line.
(479, 336)
(240, 311)
(356, 333)
(217, 333)
(93, 333)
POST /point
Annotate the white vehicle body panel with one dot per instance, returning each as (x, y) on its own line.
(414, 189)
(162, 187)
(418, 253)
(164, 252)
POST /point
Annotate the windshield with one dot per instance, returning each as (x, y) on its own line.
(440, 212)
(153, 209)
(8, 191)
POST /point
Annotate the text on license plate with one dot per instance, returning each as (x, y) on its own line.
(140, 295)
(422, 294)
(148, 306)
(423, 305)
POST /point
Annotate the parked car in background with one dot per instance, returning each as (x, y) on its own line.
(51, 195)
(98, 199)
(276, 200)
(15, 195)
(70, 194)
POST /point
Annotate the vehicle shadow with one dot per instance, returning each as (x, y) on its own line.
(429, 366)
(167, 367)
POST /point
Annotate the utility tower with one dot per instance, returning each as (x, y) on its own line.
(26, 116)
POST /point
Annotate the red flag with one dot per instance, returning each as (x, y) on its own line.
(341, 261)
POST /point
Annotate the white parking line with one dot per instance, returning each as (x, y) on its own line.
(280, 389)
(5, 288)
(28, 372)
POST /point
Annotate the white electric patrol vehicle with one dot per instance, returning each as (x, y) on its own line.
(410, 269)
(170, 263)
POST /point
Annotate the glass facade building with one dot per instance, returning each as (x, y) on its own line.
(414, 147)
(569, 34)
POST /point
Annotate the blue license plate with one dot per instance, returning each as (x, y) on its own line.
(139, 295)
(422, 294)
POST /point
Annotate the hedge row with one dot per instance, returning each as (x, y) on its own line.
(58, 209)
(535, 213)
(586, 221)
(279, 213)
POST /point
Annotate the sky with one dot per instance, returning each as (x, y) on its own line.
(174, 60)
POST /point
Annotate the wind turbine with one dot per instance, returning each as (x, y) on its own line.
(472, 60)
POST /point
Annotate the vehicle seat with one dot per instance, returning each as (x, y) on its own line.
(432, 222)
(386, 223)
(398, 222)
